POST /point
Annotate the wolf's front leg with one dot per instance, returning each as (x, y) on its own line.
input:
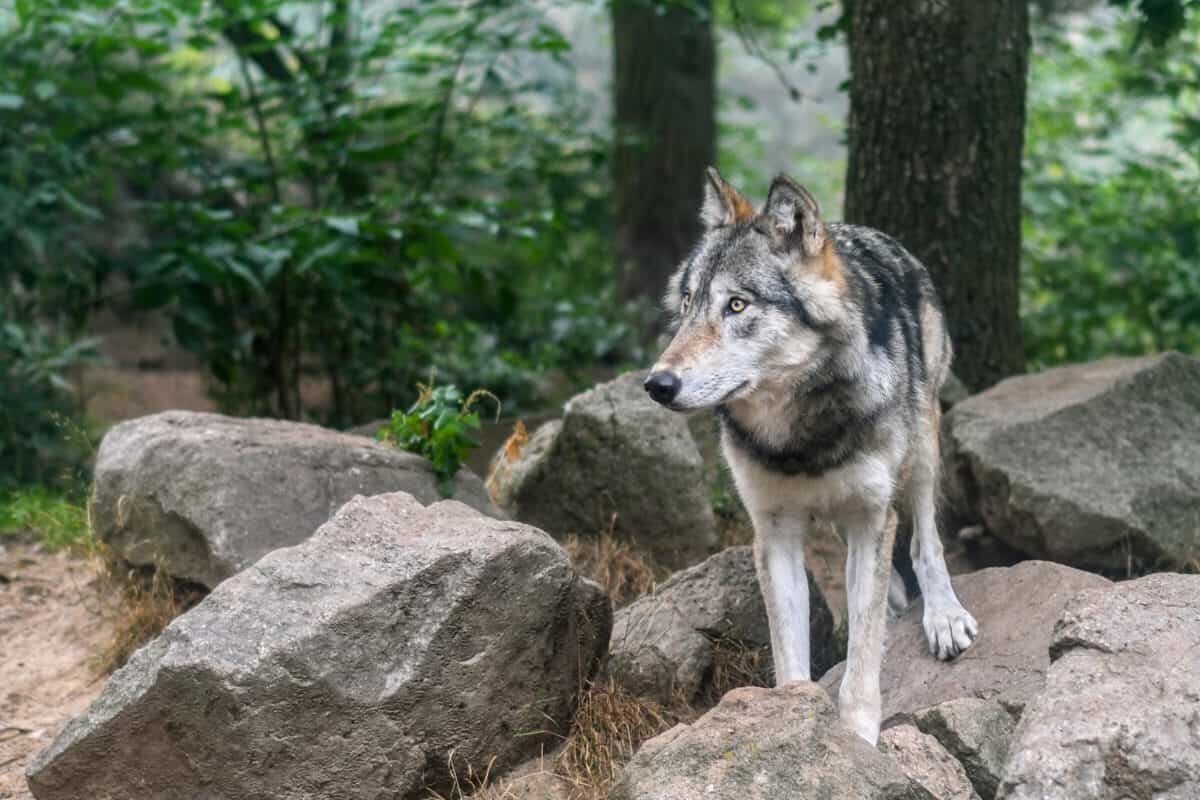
(868, 569)
(779, 559)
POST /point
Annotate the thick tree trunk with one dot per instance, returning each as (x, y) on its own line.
(937, 119)
(665, 107)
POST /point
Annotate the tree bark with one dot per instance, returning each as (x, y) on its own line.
(665, 108)
(937, 120)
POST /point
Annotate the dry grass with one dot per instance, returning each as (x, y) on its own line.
(737, 664)
(146, 602)
(608, 727)
(533, 780)
(610, 724)
(623, 571)
(470, 785)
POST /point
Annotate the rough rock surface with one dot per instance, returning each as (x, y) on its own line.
(615, 451)
(923, 759)
(1120, 715)
(1016, 608)
(1095, 465)
(765, 743)
(976, 732)
(351, 665)
(665, 645)
(209, 495)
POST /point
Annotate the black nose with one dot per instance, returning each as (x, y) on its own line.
(663, 386)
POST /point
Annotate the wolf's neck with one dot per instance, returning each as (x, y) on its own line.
(809, 428)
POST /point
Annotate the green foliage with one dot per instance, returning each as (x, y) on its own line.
(439, 427)
(36, 404)
(58, 520)
(1111, 194)
(1159, 20)
(321, 191)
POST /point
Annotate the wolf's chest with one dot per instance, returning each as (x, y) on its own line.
(864, 482)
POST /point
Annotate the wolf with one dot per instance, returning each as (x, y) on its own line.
(821, 347)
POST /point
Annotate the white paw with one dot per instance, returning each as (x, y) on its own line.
(949, 628)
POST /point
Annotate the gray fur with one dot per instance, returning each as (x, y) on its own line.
(821, 347)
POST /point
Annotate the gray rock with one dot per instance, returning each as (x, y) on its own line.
(352, 665)
(207, 495)
(1094, 465)
(615, 452)
(1120, 715)
(1016, 608)
(765, 743)
(976, 732)
(670, 645)
(923, 759)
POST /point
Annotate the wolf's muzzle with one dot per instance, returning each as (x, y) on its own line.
(663, 386)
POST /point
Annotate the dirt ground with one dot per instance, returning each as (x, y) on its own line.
(53, 623)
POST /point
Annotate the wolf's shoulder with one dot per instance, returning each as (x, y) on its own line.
(861, 247)
(883, 271)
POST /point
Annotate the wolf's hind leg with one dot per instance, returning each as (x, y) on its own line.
(868, 572)
(949, 628)
(779, 560)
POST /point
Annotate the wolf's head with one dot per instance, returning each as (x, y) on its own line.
(757, 304)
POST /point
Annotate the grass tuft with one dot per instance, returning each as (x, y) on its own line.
(148, 599)
(610, 724)
(624, 572)
(737, 664)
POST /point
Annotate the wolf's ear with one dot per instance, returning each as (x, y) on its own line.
(723, 204)
(793, 218)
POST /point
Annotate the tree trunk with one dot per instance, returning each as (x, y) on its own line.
(937, 120)
(665, 106)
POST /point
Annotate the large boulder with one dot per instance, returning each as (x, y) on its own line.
(615, 458)
(356, 664)
(1120, 714)
(765, 743)
(206, 495)
(1016, 608)
(672, 645)
(1094, 465)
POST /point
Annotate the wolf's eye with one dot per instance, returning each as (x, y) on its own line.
(737, 305)
(687, 301)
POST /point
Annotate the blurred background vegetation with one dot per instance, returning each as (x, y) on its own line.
(310, 207)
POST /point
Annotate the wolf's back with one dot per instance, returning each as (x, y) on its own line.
(893, 292)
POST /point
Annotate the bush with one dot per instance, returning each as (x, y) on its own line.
(1111, 192)
(38, 441)
(326, 192)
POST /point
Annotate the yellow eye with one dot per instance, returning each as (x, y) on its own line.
(687, 301)
(737, 305)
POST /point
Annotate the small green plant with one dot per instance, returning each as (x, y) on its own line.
(438, 427)
(58, 520)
